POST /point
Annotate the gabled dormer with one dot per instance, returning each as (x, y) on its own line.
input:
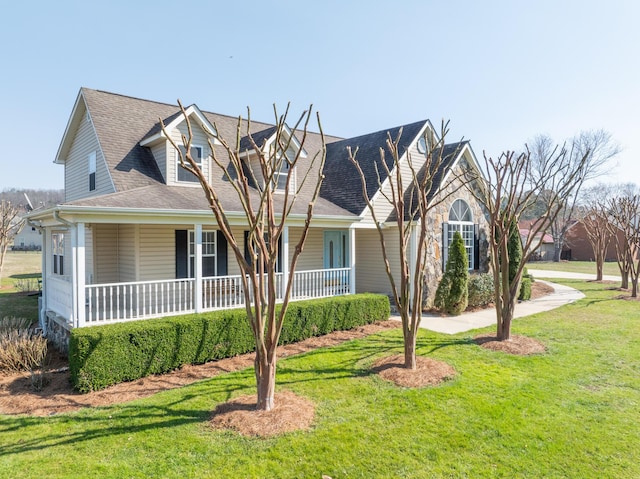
(167, 157)
(282, 146)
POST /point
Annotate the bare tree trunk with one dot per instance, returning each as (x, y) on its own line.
(410, 337)
(557, 253)
(265, 369)
(624, 274)
(634, 288)
(599, 267)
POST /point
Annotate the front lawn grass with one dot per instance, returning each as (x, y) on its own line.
(588, 267)
(19, 266)
(571, 412)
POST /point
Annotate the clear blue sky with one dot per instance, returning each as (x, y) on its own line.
(500, 71)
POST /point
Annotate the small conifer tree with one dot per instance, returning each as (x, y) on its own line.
(452, 292)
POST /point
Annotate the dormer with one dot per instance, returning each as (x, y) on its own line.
(166, 155)
(281, 146)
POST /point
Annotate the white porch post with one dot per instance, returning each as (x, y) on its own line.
(198, 267)
(352, 260)
(285, 259)
(46, 247)
(413, 250)
(80, 273)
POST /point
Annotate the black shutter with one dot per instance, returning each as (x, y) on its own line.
(476, 247)
(221, 253)
(279, 264)
(182, 253)
(445, 246)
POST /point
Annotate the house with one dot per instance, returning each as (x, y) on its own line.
(580, 248)
(546, 248)
(135, 238)
(29, 238)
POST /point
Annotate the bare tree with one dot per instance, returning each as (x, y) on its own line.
(508, 193)
(599, 148)
(411, 194)
(624, 211)
(266, 215)
(593, 215)
(10, 226)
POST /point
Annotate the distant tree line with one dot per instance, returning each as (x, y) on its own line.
(37, 197)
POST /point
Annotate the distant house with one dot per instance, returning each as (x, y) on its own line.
(28, 239)
(545, 251)
(135, 237)
(578, 243)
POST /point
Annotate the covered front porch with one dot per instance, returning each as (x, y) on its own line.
(100, 273)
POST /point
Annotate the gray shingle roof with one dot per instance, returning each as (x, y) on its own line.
(122, 122)
(342, 184)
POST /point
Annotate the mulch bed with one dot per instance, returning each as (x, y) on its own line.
(17, 396)
(290, 413)
(519, 345)
(428, 372)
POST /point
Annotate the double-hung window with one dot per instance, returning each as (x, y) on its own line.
(208, 253)
(196, 154)
(57, 249)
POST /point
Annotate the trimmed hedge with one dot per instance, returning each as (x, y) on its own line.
(100, 356)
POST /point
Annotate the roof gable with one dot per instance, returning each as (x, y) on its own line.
(171, 122)
(343, 185)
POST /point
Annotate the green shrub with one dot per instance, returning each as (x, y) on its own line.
(514, 246)
(481, 290)
(525, 289)
(452, 293)
(100, 356)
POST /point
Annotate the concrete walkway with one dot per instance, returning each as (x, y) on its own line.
(479, 319)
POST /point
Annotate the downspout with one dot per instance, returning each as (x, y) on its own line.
(43, 298)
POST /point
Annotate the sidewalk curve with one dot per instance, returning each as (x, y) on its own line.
(479, 319)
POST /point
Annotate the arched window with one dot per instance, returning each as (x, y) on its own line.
(461, 220)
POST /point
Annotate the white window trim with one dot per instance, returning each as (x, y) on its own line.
(457, 225)
(192, 250)
(58, 248)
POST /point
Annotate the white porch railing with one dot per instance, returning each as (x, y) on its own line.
(138, 300)
(117, 302)
(320, 283)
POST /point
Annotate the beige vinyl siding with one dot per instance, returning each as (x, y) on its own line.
(127, 257)
(199, 139)
(312, 254)
(76, 170)
(157, 251)
(382, 207)
(106, 253)
(159, 152)
(371, 275)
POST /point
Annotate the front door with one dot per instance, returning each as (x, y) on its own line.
(335, 249)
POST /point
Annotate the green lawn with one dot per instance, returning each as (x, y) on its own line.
(575, 266)
(569, 413)
(19, 266)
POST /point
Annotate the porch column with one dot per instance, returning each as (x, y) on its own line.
(198, 267)
(46, 247)
(352, 260)
(285, 259)
(80, 273)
